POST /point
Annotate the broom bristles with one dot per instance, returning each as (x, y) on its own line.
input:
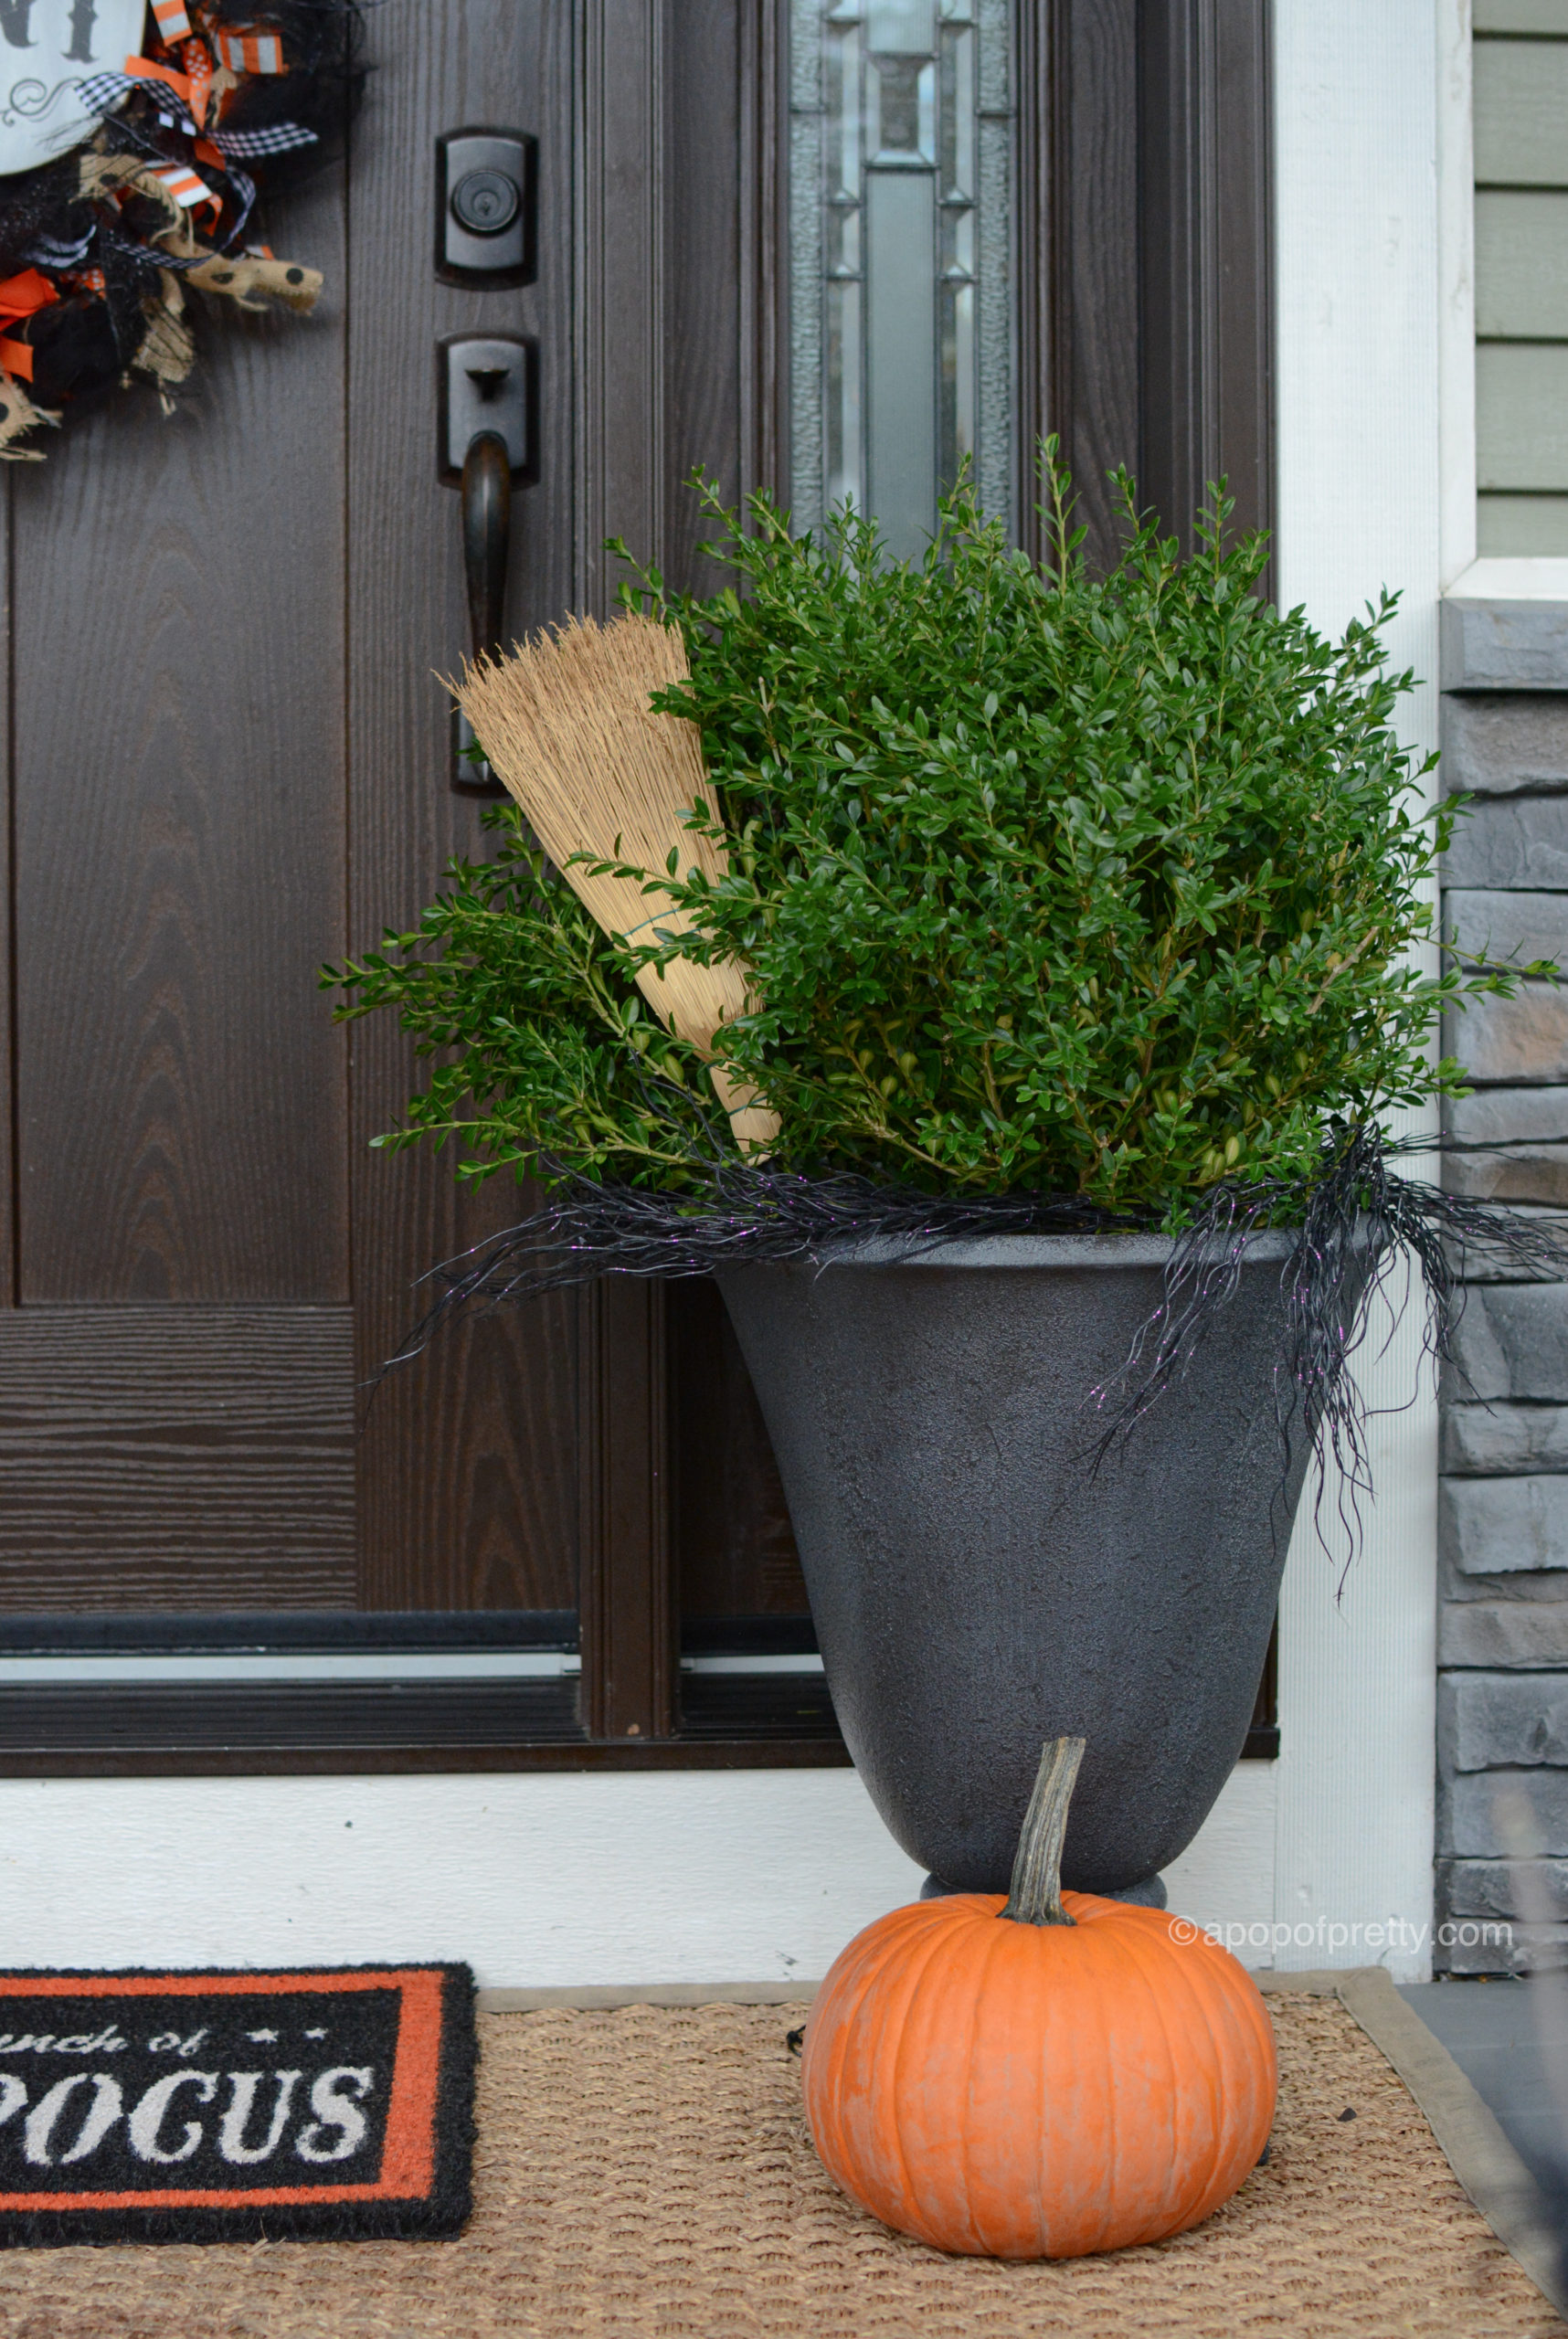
(566, 723)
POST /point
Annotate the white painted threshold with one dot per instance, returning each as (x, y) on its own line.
(553, 1882)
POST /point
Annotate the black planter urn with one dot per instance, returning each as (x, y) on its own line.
(977, 1586)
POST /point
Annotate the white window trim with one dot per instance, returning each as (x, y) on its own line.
(1456, 320)
(1521, 579)
(1361, 163)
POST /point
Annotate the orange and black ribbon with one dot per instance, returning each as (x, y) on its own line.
(22, 297)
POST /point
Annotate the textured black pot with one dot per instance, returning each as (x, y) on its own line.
(976, 1589)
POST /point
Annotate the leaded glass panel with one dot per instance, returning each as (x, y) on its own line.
(901, 158)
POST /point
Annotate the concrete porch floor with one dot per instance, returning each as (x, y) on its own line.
(1508, 2047)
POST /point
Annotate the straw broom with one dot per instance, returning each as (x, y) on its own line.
(564, 720)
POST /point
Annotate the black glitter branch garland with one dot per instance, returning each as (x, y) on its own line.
(1357, 1224)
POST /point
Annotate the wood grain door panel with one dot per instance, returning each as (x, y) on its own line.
(178, 802)
(176, 1459)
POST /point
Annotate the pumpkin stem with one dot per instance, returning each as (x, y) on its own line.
(1037, 1895)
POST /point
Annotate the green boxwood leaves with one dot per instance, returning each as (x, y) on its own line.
(1106, 886)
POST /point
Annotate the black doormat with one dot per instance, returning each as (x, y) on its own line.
(333, 2103)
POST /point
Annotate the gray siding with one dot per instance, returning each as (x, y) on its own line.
(1521, 276)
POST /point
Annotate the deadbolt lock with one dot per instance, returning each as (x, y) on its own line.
(486, 207)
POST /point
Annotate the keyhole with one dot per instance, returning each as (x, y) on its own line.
(486, 202)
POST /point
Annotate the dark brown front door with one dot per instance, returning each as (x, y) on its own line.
(229, 762)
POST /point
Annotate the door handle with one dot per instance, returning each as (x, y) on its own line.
(486, 548)
(486, 537)
(488, 435)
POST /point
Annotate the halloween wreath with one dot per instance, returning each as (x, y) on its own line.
(128, 137)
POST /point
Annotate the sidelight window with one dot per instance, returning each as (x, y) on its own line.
(901, 208)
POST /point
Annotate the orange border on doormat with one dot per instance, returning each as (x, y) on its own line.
(408, 2160)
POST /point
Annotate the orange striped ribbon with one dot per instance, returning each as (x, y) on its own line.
(251, 52)
(171, 19)
(147, 69)
(187, 186)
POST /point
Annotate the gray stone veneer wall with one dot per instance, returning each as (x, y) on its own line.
(1502, 1645)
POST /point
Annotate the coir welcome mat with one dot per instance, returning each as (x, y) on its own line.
(329, 2103)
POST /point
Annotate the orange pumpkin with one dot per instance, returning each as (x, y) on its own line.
(1040, 2077)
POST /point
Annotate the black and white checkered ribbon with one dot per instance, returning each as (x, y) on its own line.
(276, 139)
(101, 93)
(245, 188)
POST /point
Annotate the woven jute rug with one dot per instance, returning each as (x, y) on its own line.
(648, 2170)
